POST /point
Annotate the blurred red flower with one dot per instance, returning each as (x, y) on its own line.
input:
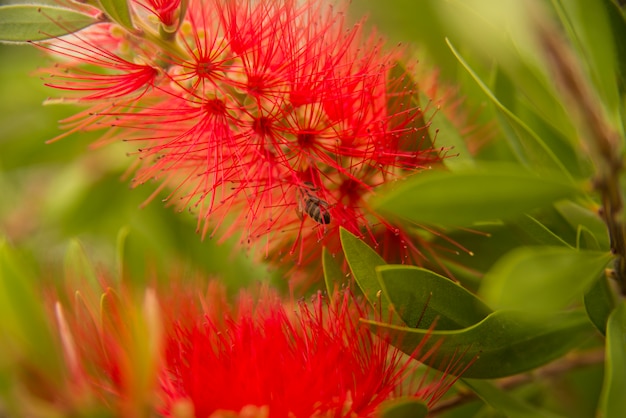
(178, 352)
(310, 360)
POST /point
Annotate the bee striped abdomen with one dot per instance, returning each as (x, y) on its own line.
(317, 209)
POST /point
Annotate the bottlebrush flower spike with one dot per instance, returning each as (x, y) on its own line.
(272, 116)
(177, 352)
(316, 360)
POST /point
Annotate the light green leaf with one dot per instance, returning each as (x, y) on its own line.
(363, 262)
(402, 95)
(35, 22)
(465, 197)
(535, 232)
(78, 268)
(585, 240)
(527, 145)
(588, 25)
(578, 216)
(119, 12)
(447, 136)
(421, 297)
(333, 276)
(24, 326)
(612, 399)
(541, 278)
(503, 344)
(403, 408)
(504, 402)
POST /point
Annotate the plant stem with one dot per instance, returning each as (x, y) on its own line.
(598, 137)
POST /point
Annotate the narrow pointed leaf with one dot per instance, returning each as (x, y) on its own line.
(541, 278)
(421, 297)
(578, 216)
(528, 146)
(119, 12)
(503, 344)
(586, 240)
(600, 302)
(78, 268)
(403, 408)
(534, 232)
(588, 25)
(504, 402)
(34, 22)
(462, 198)
(612, 399)
(24, 324)
(333, 276)
(447, 136)
(363, 262)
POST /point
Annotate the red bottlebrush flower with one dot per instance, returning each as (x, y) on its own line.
(175, 352)
(272, 116)
(317, 362)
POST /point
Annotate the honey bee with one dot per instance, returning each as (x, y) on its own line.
(313, 205)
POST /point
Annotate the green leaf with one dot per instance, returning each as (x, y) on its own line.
(578, 216)
(119, 12)
(588, 25)
(508, 404)
(612, 399)
(421, 297)
(585, 240)
(333, 276)
(24, 326)
(78, 267)
(35, 22)
(403, 95)
(503, 344)
(600, 302)
(465, 197)
(534, 232)
(541, 278)
(363, 261)
(447, 136)
(403, 408)
(527, 145)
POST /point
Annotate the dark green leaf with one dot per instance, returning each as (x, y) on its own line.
(33, 22)
(600, 302)
(333, 276)
(462, 198)
(363, 262)
(612, 399)
(508, 404)
(421, 297)
(541, 278)
(403, 408)
(503, 344)
(119, 12)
